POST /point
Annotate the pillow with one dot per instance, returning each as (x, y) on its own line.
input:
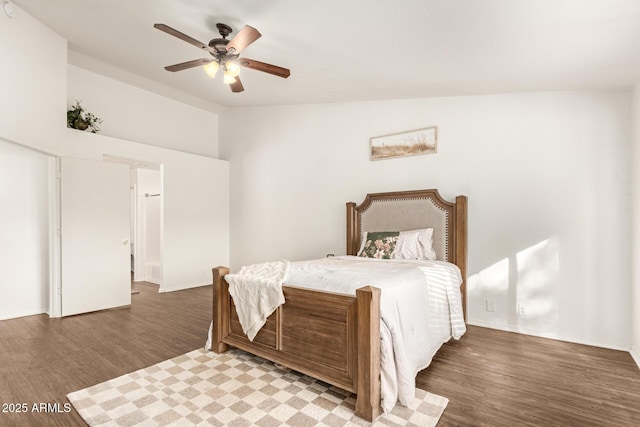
(379, 244)
(415, 244)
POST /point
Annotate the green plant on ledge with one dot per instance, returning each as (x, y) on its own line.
(78, 118)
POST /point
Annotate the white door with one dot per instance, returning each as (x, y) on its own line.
(95, 220)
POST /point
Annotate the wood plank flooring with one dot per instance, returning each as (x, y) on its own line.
(42, 359)
(492, 378)
(497, 378)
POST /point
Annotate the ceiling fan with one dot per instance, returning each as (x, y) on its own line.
(226, 55)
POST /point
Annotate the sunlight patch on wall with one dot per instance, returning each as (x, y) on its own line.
(493, 278)
(487, 291)
(520, 292)
(537, 286)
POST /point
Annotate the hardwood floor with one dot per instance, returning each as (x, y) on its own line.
(497, 378)
(42, 359)
(491, 378)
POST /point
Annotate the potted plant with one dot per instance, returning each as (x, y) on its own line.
(78, 118)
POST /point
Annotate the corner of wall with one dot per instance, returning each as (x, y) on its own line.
(636, 357)
(635, 226)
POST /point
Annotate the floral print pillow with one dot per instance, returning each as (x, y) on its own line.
(379, 244)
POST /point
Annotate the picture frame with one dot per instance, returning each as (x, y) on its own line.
(410, 143)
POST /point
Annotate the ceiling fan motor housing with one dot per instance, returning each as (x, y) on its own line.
(220, 45)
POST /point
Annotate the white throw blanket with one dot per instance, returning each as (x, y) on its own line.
(257, 292)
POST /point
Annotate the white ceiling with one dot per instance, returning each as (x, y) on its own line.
(357, 50)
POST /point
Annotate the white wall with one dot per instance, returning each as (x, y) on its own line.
(33, 84)
(32, 112)
(195, 187)
(547, 176)
(195, 205)
(635, 227)
(24, 231)
(137, 115)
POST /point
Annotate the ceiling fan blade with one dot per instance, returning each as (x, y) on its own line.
(267, 68)
(185, 65)
(237, 86)
(184, 37)
(244, 38)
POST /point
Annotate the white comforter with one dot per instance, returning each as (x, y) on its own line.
(420, 309)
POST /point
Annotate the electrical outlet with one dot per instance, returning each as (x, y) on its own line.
(490, 305)
(522, 310)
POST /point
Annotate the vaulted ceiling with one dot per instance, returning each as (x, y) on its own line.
(357, 50)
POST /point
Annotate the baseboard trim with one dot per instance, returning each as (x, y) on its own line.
(517, 330)
(181, 288)
(636, 357)
(23, 314)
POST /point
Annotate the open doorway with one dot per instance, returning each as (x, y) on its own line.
(147, 236)
(146, 222)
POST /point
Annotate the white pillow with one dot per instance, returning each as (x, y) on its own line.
(415, 244)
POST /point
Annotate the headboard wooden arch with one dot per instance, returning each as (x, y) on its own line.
(409, 210)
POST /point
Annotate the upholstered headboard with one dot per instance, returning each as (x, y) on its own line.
(410, 210)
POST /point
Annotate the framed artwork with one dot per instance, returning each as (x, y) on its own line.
(410, 143)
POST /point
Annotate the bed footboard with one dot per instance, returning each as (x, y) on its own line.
(332, 337)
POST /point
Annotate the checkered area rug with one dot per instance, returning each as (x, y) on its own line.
(233, 389)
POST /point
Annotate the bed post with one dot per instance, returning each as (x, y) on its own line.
(460, 227)
(220, 310)
(368, 379)
(352, 241)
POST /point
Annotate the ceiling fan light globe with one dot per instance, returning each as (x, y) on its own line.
(233, 68)
(228, 78)
(211, 68)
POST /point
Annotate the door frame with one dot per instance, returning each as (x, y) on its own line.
(55, 247)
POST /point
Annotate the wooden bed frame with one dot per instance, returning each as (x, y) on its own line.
(334, 337)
